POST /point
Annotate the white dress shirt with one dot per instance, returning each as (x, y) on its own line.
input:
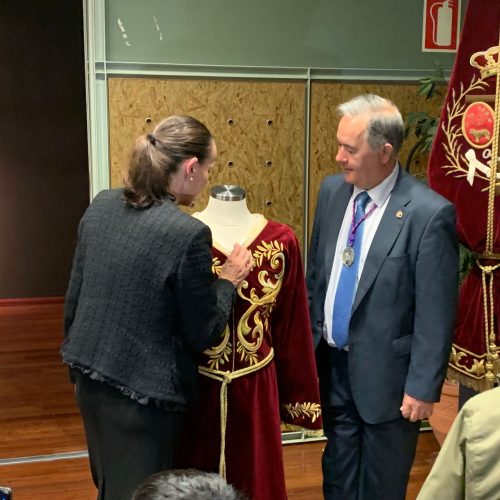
(379, 195)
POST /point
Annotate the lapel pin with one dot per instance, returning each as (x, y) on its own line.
(399, 214)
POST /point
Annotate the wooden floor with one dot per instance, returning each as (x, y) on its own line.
(38, 417)
(70, 478)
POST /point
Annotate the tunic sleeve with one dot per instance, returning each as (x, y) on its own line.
(292, 339)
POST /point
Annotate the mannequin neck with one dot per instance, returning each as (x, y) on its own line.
(230, 222)
(226, 213)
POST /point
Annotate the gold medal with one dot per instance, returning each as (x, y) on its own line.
(348, 256)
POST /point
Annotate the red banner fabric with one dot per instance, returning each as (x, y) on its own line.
(460, 168)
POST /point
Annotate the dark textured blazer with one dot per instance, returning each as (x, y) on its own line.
(142, 301)
(404, 309)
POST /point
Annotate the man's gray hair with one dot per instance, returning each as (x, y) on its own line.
(385, 124)
(184, 484)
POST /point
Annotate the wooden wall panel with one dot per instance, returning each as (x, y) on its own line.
(249, 142)
(326, 96)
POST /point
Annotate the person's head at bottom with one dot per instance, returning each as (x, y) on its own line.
(183, 484)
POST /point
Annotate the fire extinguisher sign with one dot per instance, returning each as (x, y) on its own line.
(440, 26)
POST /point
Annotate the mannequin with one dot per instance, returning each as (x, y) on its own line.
(262, 370)
(228, 217)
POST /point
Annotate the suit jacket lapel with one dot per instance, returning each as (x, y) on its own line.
(388, 230)
(336, 210)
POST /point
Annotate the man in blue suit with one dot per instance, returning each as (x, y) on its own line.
(382, 281)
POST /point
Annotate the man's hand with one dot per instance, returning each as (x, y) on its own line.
(414, 409)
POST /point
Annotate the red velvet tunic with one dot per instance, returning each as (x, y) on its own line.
(268, 353)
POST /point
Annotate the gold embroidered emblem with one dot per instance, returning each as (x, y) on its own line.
(261, 305)
(473, 122)
(310, 411)
(216, 265)
(252, 326)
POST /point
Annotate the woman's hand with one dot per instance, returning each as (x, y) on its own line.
(237, 266)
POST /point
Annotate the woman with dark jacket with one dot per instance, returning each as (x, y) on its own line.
(142, 302)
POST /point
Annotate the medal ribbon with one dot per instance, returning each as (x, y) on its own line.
(355, 225)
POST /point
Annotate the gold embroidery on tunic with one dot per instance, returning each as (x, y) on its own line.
(216, 265)
(250, 338)
(307, 410)
(459, 358)
(219, 355)
(255, 321)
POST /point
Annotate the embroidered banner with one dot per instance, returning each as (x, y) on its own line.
(463, 167)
